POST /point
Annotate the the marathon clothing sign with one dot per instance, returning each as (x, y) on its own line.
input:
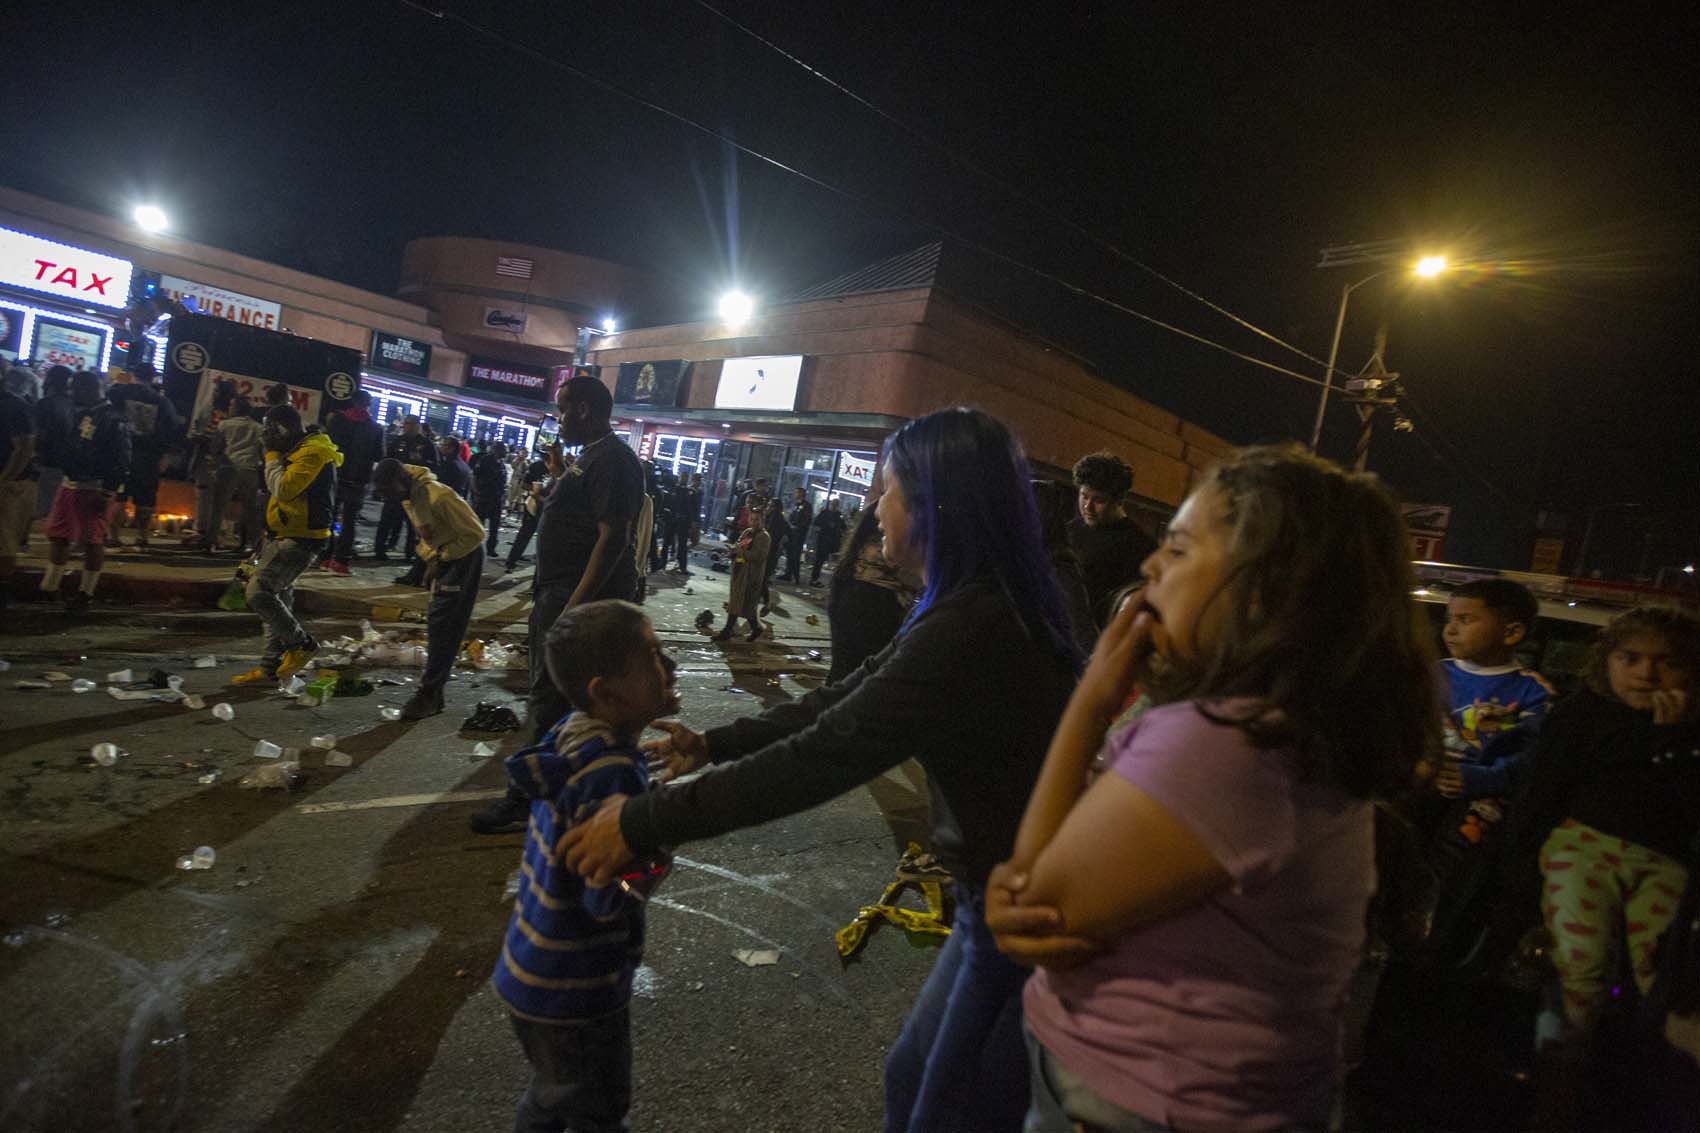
(649, 383)
(216, 301)
(400, 355)
(530, 382)
(74, 274)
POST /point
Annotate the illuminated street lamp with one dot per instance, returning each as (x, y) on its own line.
(150, 218)
(609, 326)
(736, 308)
(1426, 268)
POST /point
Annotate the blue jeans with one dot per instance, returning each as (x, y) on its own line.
(958, 1065)
(271, 595)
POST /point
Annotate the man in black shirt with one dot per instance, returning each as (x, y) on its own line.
(490, 486)
(361, 442)
(1109, 545)
(411, 447)
(584, 553)
(802, 515)
(687, 513)
(829, 533)
(452, 470)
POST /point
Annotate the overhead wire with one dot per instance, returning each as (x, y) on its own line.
(871, 207)
(1008, 187)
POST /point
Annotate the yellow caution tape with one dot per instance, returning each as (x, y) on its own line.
(933, 922)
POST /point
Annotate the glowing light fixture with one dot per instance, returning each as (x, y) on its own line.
(1430, 266)
(736, 308)
(609, 326)
(150, 218)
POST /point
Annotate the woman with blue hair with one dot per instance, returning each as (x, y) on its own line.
(972, 688)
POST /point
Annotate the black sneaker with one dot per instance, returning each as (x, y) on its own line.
(504, 816)
(425, 702)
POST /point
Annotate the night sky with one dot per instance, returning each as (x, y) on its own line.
(1224, 145)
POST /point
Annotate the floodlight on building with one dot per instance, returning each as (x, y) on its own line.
(609, 326)
(736, 308)
(150, 218)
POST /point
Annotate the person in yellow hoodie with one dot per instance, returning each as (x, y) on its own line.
(451, 545)
(301, 466)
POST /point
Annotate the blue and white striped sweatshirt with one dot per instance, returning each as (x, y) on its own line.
(571, 949)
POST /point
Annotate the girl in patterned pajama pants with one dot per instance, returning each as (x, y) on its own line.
(1616, 790)
(1593, 882)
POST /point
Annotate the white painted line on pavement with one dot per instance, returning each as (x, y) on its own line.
(403, 800)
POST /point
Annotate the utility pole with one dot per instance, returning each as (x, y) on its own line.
(1372, 390)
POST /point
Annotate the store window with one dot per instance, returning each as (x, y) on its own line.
(485, 428)
(683, 455)
(388, 405)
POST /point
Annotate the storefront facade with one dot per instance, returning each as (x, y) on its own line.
(89, 291)
(60, 304)
(806, 393)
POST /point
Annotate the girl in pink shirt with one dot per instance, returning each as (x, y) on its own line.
(1197, 910)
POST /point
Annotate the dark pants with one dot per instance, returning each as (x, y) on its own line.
(682, 544)
(960, 1063)
(545, 704)
(350, 498)
(581, 1075)
(527, 526)
(391, 524)
(450, 612)
(862, 618)
(823, 552)
(794, 557)
(490, 515)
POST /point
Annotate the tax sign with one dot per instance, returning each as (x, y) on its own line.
(51, 268)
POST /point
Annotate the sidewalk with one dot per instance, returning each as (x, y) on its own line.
(166, 574)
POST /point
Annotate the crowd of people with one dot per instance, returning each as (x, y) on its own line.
(1166, 786)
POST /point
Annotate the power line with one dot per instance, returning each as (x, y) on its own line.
(1009, 188)
(872, 208)
(1462, 466)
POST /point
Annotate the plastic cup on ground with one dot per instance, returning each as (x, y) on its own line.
(390, 713)
(265, 749)
(82, 684)
(121, 677)
(106, 754)
(338, 759)
(324, 743)
(224, 712)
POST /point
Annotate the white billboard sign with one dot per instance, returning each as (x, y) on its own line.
(74, 274)
(232, 305)
(759, 383)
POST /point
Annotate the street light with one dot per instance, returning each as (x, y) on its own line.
(609, 326)
(736, 308)
(150, 218)
(1426, 268)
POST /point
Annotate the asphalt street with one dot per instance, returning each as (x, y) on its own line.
(330, 971)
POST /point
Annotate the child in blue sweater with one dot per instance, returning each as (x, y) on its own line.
(1495, 706)
(566, 966)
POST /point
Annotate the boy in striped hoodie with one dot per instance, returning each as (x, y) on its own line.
(566, 966)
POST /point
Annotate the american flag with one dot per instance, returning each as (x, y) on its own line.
(514, 266)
